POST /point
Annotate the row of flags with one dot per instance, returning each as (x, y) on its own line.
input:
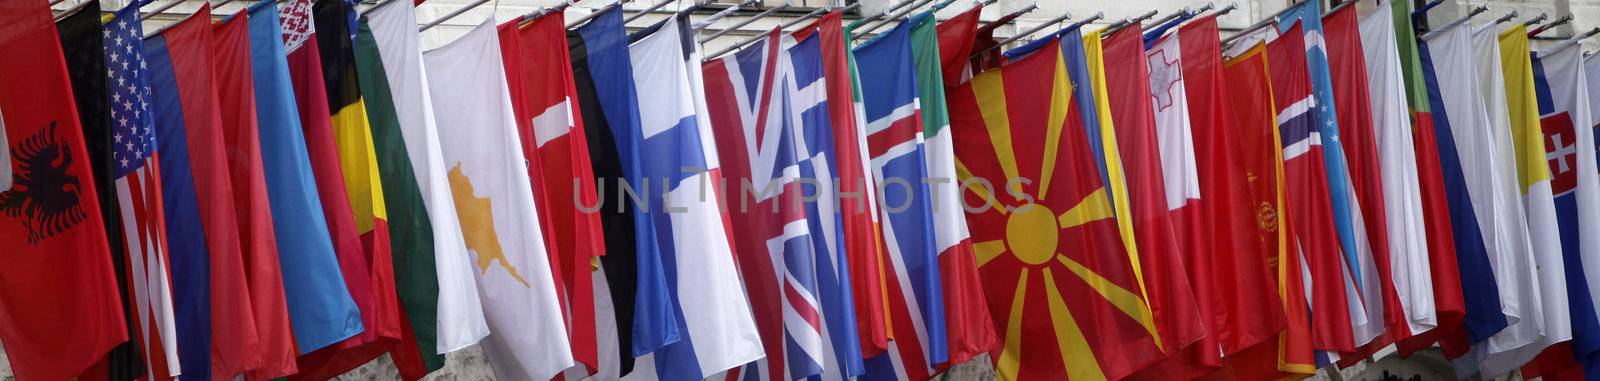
(296, 189)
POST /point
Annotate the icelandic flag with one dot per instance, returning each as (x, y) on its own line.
(1341, 191)
(709, 328)
(895, 143)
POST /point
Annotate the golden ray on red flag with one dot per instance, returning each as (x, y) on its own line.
(1054, 266)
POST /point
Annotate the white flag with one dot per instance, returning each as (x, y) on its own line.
(1402, 195)
(494, 202)
(460, 317)
(1495, 199)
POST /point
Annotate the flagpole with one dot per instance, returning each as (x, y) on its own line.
(1036, 28)
(747, 21)
(1474, 12)
(1010, 16)
(219, 4)
(450, 15)
(163, 8)
(875, 16)
(1266, 22)
(641, 13)
(1573, 40)
(719, 15)
(786, 25)
(1542, 16)
(596, 13)
(1542, 28)
(1508, 17)
(1116, 26)
(887, 20)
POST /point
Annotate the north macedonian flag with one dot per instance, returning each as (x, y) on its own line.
(1057, 230)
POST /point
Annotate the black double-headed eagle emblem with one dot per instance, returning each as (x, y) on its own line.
(46, 197)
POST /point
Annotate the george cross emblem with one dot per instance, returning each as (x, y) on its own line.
(1561, 152)
(1163, 77)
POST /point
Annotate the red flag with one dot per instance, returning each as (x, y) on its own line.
(1250, 93)
(1246, 309)
(1172, 300)
(857, 214)
(1307, 186)
(956, 37)
(544, 97)
(1347, 62)
(236, 96)
(235, 346)
(305, 70)
(59, 307)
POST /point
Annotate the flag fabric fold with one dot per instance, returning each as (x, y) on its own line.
(494, 201)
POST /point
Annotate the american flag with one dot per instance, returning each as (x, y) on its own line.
(138, 187)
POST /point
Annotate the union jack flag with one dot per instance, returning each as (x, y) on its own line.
(759, 109)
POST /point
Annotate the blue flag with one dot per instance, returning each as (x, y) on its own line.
(888, 77)
(186, 239)
(1478, 287)
(320, 308)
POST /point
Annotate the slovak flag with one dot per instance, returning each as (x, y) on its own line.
(759, 105)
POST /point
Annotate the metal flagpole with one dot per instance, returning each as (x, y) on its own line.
(164, 8)
(1475, 11)
(886, 20)
(1542, 16)
(747, 21)
(641, 13)
(452, 14)
(596, 13)
(1508, 17)
(1116, 26)
(720, 14)
(786, 25)
(875, 16)
(1542, 28)
(1264, 23)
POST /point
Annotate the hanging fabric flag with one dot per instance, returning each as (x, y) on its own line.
(956, 37)
(58, 277)
(1308, 198)
(83, 46)
(1246, 308)
(1365, 298)
(311, 101)
(1250, 92)
(606, 99)
(708, 310)
(857, 200)
(1563, 104)
(1180, 181)
(494, 199)
(1347, 66)
(969, 329)
(321, 311)
(752, 112)
(539, 73)
(1481, 297)
(1001, 139)
(1396, 36)
(138, 190)
(814, 139)
(1408, 266)
(231, 70)
(1464, 87)
(352, 138)
(1173, 301)
(199, 203)
(1240, 310)
(415, 270)
(894, 128)
(1523, 141)
(458, 320)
